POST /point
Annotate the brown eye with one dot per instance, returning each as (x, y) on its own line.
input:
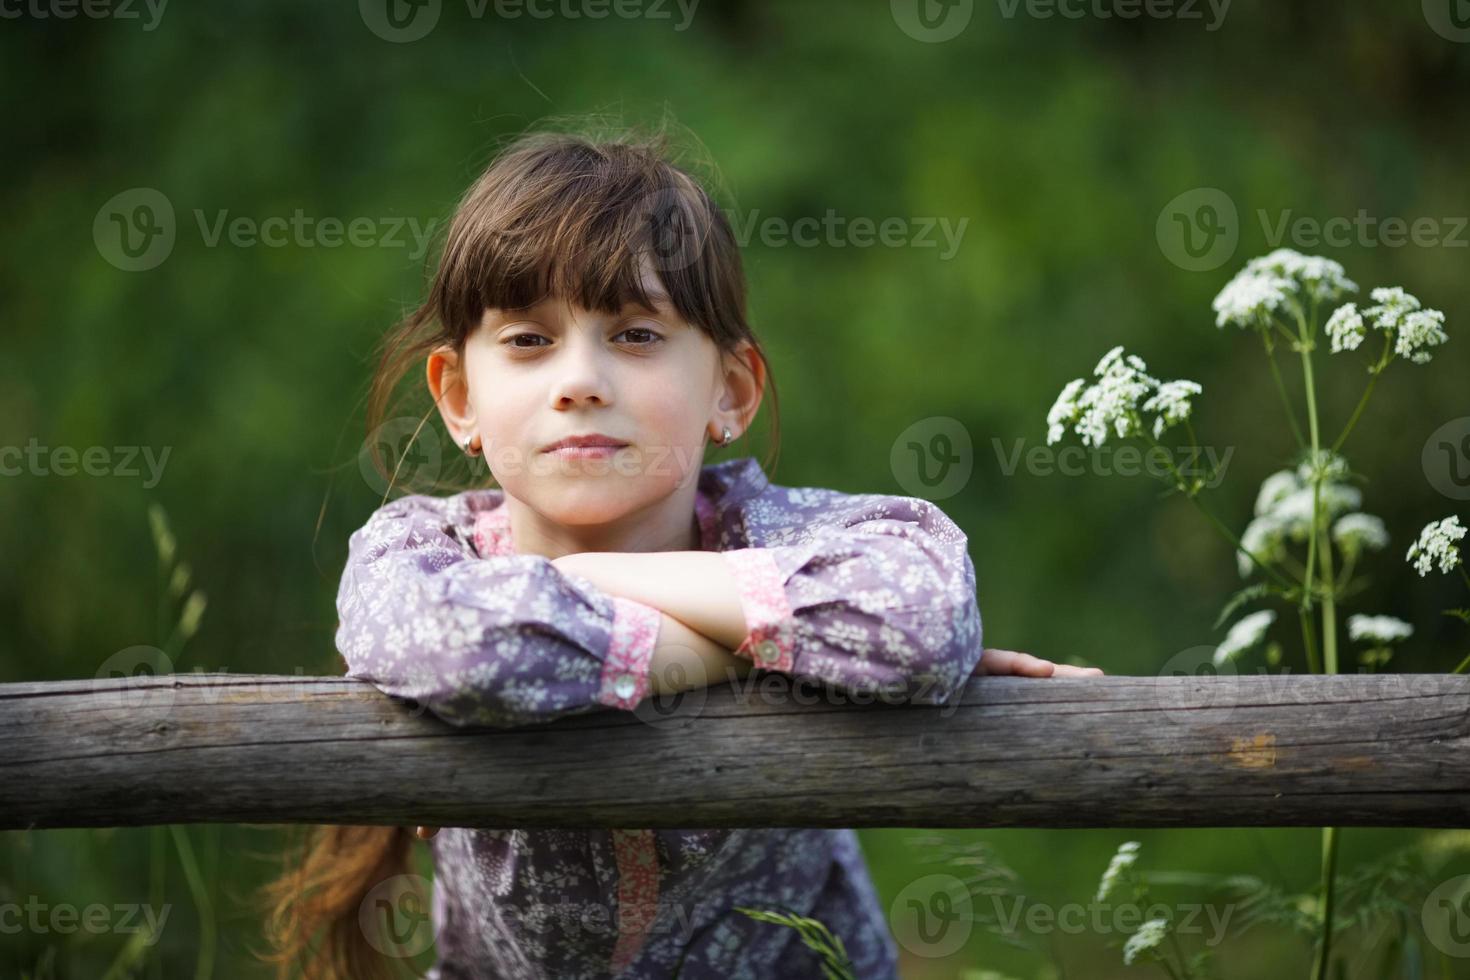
(645, 337)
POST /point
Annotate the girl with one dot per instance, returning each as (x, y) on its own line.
(586, 331)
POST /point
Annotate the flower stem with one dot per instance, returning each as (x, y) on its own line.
(1463, 664)
(1329, 869)
(1306, 352)
(1308, 640)
(1329, 608)
(1296, 430)
(1376, 371)
(1184, 969)
(1329, 629)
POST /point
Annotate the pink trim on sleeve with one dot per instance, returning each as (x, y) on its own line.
(771, 641)
(625, 680)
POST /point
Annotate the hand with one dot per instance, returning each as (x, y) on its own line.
(1025, 665)
(424, 833)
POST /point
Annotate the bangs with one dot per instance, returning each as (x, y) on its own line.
(579, 224)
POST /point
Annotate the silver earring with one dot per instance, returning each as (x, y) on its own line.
(726, 437)
(466, 444)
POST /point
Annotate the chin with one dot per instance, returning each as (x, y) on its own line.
(573, 500)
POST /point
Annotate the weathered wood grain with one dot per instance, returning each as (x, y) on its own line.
(1350, 750)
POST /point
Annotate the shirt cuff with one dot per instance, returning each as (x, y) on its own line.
(771, 640)
(625, 670)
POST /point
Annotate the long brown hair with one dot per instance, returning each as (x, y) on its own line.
(568, 215)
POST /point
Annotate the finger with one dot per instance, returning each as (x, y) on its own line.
(1068, 670)
(1013, 662)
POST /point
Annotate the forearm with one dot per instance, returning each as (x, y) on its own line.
(684, 659)
(696, 588)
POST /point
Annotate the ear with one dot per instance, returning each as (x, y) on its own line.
(743, 384)
(451, 393)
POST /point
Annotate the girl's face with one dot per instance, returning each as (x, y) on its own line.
(646, 378)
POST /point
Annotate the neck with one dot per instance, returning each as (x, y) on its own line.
(670, 524)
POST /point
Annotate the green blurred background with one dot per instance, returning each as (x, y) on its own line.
(1060, 141)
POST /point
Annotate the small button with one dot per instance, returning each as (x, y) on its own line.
(625, 685)
(768, 651)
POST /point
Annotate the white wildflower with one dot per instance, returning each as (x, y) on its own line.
(1247, 632)
(1111, 403)
(1063, 411)
(1295, 510)
(1172, 404)
(1354, 532)
(1346, 329)
(1378, 629)
(1264, 537)
(1250, 298)
(1415, 328)
(1325, 465)
(1121, 861)
(1274, 489)
(1393, 305)
(1148, 936)
(1419, 331)
(1284, 510)
(1437, 542)
(1319, 277)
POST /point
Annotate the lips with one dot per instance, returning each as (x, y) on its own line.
(585, 441)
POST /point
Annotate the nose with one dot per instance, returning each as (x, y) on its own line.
(580, 376)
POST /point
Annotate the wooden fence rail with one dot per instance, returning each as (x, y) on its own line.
(1285, 750)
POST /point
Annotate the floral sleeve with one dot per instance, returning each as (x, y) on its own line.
(877, 595)
(501, 640)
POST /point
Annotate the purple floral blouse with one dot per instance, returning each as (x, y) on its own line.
(866, 592)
